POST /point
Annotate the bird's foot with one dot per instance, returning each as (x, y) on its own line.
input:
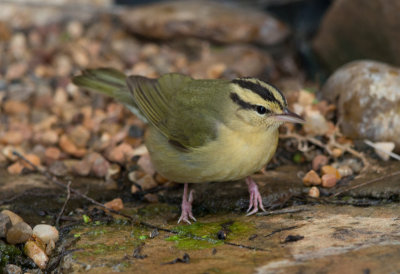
(255, 197)
(187, 206)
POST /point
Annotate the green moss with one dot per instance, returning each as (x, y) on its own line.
(8, 254)
(204, 235)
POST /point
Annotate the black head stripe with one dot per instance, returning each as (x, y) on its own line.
(235, 98)
(262, 91)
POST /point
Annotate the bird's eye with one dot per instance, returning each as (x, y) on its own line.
(261, 110)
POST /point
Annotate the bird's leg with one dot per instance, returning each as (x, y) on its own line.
(255, 197)
(187, 205)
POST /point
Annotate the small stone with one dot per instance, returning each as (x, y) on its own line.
(151, 198)
(48, 137)
(46, 233)
(329, 180)
(82, 167)
(146, 164)
(116, 154)
(113, 171)
(15, 107)
(5, 225)
(69, 147)
(330, 170)
(100, 166)
(15, 168)
(382, 149)
(134, 189)
(50, 247)
(115, 204)
(12, 269)
(7, 151)
(319, 161)
(316, 124)
(313, 192)
(345, 171)
(51, 155)
(147, 182)
(15, 219)
(19, 233)
(337, 152)
(34, 159)
(80, 136)
(75, 29)
(36, 252)
(311, 179)
(160, 179)
(12, 138)
(134, 176)
(58, 168)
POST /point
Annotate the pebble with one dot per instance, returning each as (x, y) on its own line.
(46, 233)
(113, 171)
(151, 198)
(319, 161)
(50, 247)
(160, 179)
(35, 250)
(34, 159)
(15, 168)
(311, 179)
(134, 189)
(12, 269)
(69, 147)
(48, 137)
(117, 154)
(146, 182)
(115, 204)
(345, 171)
(337, 152)
(146, 164)
(329, 180)
(80, 136)
(7, 151)
(58, 168)
(330, 170)
(314, 192)
(12, 138)
(15, 219)
(382, 149)
(100, 166)
(134, 176)
(15, 107)
(19, 233)
(51, 155)
(5, 225)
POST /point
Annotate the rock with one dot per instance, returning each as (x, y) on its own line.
(146, 164)
(15, 168)
(204, 19)
(383, 149)
(120, 153)
(35, 250)
(315, 124)
(82, 168)
(113, 171)
(12, 138)
(337, 152)
(345, 171)
(58, 168)
(328, 180)
(367, 95)
(34, 159)
(48, 137)
(69, 147)
(330, 170)
(311, 179)
(19, 233)
(51, 155)
(12, 269)
(134, 189)
(46, 233)
(75, 29)
(50, 247)
(100, 166)
(15, 107)
(313, 192)
(15, 219)
(349, 24)
(115, 204)
(5, 225)
(151, 198)
(319, 161)
(80, 136)
(146, 182)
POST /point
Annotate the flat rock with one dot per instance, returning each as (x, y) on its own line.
(358, 29)
(205, 19)
(367, 95)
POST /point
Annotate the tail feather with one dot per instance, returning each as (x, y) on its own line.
(110, 82)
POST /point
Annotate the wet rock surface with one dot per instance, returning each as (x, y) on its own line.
(367, 94)
(354, 30)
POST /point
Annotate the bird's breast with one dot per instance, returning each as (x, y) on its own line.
(233, 155)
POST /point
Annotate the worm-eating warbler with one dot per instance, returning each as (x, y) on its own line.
(201, 130)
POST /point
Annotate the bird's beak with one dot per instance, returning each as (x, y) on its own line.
(288, 116)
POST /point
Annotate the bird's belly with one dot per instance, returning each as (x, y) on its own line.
(232, 157)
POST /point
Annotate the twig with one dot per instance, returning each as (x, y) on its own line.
(281, 229)
(64, 205)
(281, 211)
(366, 183)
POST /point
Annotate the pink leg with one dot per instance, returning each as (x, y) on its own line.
(187, 206)
(255, 197)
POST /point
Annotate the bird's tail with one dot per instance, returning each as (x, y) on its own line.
(110, 82)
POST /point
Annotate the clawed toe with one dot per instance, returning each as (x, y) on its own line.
(255, 201)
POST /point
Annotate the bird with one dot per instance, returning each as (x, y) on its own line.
(201, 130)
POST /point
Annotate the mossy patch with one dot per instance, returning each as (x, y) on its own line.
(8, 254)
(205, 235)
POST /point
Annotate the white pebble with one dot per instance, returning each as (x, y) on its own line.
(46, 233)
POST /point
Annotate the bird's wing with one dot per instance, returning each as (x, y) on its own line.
(174, 109)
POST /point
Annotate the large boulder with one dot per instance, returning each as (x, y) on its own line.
(359, 29)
